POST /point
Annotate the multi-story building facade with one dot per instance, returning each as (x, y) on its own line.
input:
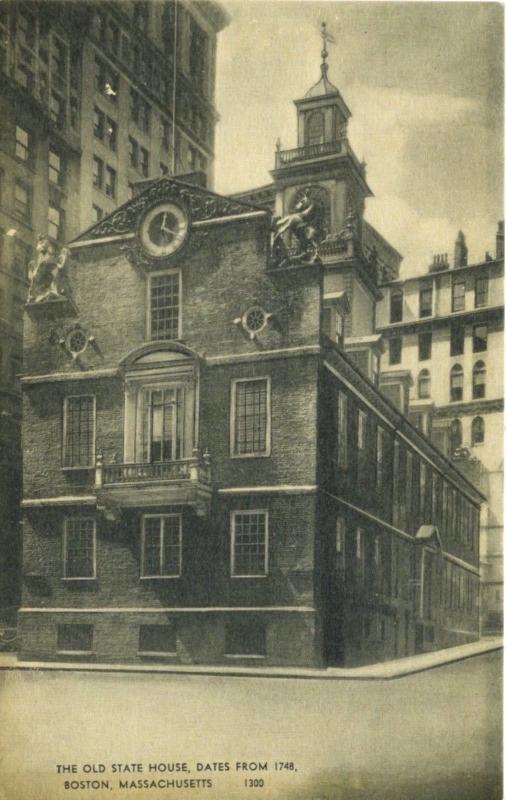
(94, 96)
(445, 336)
(212, 474)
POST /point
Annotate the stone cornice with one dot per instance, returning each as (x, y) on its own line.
(427, 323)
(473, 407)
(380, 404)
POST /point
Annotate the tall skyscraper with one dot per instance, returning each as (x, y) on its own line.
(94, 96)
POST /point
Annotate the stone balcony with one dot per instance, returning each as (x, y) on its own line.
(186, 481)
(311, 151)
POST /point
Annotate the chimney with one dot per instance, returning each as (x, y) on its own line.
(460, 259)
(439, 262)
(499, 240)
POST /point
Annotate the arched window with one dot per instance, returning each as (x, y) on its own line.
(479, 377)
(424, 384)
(455, 435)
(456, 383)
(477, 431)
(315, 128)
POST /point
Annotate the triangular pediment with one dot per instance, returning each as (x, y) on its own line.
(201, 205)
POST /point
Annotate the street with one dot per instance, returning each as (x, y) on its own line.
(435, 734)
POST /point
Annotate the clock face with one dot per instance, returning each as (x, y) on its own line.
(164, 229)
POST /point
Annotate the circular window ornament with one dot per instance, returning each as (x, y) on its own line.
(254, 320)
(77, 341)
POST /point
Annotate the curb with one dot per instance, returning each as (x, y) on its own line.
(374, 672)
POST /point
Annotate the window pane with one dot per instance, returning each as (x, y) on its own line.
(396, 302)
(75, 637)
(245, 637)
(249, 543)
(152, 546)
(395, 350)
(480, 333)
(171, 545)
(457, 340)
(459, 296)
(481, 292)
(250, 417)
(79, 431)
(80, 548)
(157, 639)
(165, 306)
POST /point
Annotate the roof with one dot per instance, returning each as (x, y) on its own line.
(201, 204)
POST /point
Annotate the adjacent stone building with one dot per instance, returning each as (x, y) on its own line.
(94, 96)
(212, 474)
(445, 347)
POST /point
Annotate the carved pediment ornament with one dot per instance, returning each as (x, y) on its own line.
(199, 203)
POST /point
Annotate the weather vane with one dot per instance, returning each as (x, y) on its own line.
(326, 37)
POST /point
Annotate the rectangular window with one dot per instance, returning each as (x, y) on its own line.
(22, 256)
(457, 337)
(342, 430)
(480, 334)
(359, 553)
(79, 431)
(110, 181)
(161, 546)
(55, 222)
(396, 304)
(362, 430)
(98, 172)
(155, 639)
(340, 542)
(144, 162)
(409, 487)
(458, 296)
(79, 548)
(164, 299)
(22, 144)
(97, 213)
(380, 456)
(161, 412)
(75, 638)
(57, 109)
(98, 123)
(395, 350)
(245, 638)
(250, 417)
(133, 149)
(199, 46)
(249, 549)
(22, 200)
(111, 134)
(481, 292)
(424, 346)
(425, 299)
(55, 167)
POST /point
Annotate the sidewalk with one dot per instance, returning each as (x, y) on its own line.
(386, 670)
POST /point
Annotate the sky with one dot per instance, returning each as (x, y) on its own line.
(424, 82)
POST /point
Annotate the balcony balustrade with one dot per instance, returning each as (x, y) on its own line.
(186, 481)
(309, 151)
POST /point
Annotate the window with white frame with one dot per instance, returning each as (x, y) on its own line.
(162, 410)
(249, 547)
(161, 546)
(165, 305)
(79, 431)
(250, 417)
(79, 560)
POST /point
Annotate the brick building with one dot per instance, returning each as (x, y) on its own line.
(197, 451)
(93, 97)
(444, 331)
